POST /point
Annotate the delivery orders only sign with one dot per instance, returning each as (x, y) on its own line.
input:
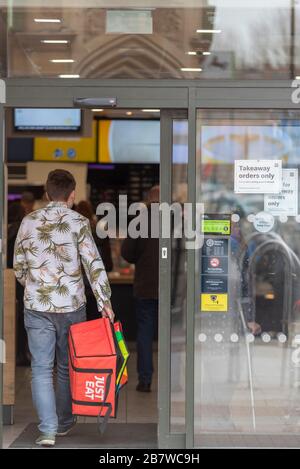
(257, 176)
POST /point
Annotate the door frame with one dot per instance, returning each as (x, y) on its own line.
(168, 95)
(167, 439)
(2, 345)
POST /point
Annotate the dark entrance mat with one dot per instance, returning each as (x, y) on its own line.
(85, 435)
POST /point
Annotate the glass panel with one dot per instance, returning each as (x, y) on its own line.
(247, 316)
(226, 39)
(178, 281)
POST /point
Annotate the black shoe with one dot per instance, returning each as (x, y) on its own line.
(143, 387)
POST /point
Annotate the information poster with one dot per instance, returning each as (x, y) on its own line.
(214, 303)
(257, 176)
(215, 247)
(215, 265)
(286, 202)
(214, 284)
(214, 278)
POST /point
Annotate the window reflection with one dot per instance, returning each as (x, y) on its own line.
(214, 39)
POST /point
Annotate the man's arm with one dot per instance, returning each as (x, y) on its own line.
(95, 270)
(20, 263)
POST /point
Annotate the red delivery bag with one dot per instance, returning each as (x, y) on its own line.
(93, 361)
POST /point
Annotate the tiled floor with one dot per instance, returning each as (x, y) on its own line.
(134, 407)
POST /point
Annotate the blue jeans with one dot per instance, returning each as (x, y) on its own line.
(47, 337)
(147, 321)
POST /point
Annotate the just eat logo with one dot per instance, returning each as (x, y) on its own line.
(94, 389)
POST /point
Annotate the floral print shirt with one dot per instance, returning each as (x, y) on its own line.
(51, 245)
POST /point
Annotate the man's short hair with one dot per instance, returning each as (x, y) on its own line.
(60, 184)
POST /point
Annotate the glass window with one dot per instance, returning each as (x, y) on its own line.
(226, 39)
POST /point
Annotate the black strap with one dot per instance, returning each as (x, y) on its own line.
(103, 419)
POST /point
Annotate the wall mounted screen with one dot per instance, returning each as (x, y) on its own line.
(47, 119)
(129, 141)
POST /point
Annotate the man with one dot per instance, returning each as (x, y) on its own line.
(143, 252)
(50, 246)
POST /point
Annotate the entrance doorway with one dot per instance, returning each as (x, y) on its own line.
(130, 98)
(214, 382)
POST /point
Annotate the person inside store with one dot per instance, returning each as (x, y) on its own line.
(85, 208)
(144, 253)
(15, 215)
(50, 246)
(27, 202)
(42, 202)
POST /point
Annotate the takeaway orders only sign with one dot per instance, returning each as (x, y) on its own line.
(257, 176)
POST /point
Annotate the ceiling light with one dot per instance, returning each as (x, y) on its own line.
(150, 110)
(55, 41)
(47, 20)
(128, 113)
(62, 61)
(191, 52)
(206, 53)
(97, 110)
(69, 76)
(298, 77)
(190, 69)
(209, 31)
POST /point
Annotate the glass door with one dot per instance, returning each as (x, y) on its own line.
(247, 296)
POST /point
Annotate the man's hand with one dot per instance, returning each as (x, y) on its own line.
(254, 327)
(107, 312)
